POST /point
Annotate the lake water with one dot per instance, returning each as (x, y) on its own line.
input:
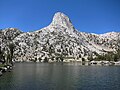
(60, 76)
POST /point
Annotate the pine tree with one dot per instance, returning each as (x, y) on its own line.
(11, 47)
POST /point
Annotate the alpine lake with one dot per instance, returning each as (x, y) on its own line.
(60, 76)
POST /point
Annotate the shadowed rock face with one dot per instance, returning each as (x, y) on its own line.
(59, 39)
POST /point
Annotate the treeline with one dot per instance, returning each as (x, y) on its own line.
(6, 56)
(110, 56)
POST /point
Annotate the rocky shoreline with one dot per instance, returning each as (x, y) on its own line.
(6, 68)
(90, 63)
(96, 63)
(105, 63)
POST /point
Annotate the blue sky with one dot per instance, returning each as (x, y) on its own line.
(94, 16)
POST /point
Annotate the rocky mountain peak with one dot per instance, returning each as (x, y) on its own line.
(63, 20)
(59, 41)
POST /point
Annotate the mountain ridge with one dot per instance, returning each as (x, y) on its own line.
(58, 41)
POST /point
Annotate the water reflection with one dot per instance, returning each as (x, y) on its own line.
(61, 76)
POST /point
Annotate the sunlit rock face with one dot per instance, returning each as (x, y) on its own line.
(58, 41)
(62, 20)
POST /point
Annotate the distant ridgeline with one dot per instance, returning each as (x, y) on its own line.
(59, 41)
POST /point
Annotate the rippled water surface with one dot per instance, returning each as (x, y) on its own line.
(60, 76)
